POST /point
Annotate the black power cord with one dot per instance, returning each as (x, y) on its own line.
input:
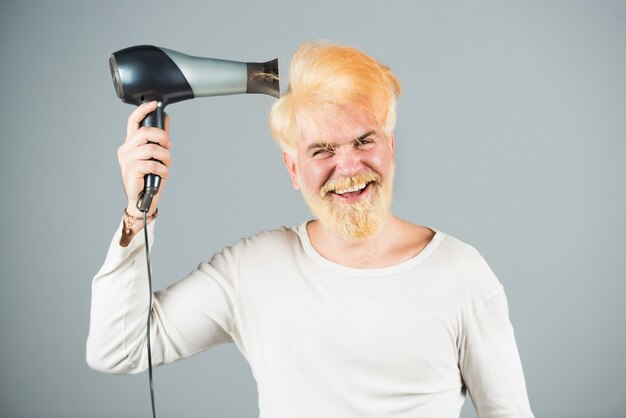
(145, 232)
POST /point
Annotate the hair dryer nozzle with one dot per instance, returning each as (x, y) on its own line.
(263, 78)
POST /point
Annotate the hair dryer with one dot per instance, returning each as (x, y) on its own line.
(145, 73)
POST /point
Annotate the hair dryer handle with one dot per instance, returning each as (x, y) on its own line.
(151, 182)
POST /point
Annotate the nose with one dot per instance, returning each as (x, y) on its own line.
(347, 162)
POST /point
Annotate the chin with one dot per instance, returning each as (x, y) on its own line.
(352, 221)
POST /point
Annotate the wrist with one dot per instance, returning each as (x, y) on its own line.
(130, 220)
(132, 223)
(131, 210)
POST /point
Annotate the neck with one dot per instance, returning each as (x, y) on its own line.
(394, 241)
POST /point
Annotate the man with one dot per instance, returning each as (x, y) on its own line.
(354, 314)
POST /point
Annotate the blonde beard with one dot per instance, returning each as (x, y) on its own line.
(352, 221)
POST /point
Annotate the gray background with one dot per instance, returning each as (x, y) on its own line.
(510, 137)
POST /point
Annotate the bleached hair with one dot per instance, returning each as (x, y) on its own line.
(326, 79)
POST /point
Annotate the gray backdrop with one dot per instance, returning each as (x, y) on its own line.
(510, 137)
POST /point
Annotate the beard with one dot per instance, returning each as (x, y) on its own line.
(355, 220)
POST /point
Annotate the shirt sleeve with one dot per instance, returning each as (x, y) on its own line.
(490, 363)
(186, 318)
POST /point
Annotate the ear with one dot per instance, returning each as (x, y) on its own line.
(291, 168)
(392, 143)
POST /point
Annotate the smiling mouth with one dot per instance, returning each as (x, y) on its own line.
(348, 187)
(352, 191)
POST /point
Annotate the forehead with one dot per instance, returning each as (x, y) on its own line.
(332, 125)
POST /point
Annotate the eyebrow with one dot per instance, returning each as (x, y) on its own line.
(329, 145)
(365, 135)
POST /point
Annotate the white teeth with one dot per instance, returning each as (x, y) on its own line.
(352, 189)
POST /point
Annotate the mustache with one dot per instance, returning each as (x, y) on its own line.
(352, 183)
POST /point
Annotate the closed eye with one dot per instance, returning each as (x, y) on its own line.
(364, 143)
(366, 139)
(323, 151)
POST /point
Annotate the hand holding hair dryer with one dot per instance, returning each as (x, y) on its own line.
(145, 73)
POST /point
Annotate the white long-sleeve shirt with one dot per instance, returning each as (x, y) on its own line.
(323, 340)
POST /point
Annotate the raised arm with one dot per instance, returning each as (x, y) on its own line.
(186, 318)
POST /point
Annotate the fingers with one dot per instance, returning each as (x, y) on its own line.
(135, 171)
(138, 157)
(139, 114)
(128, 156)
(145, 135)
(139, 135)
(147, 152)
(136, 162)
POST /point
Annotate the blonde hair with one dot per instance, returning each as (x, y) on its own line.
(326, 79)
